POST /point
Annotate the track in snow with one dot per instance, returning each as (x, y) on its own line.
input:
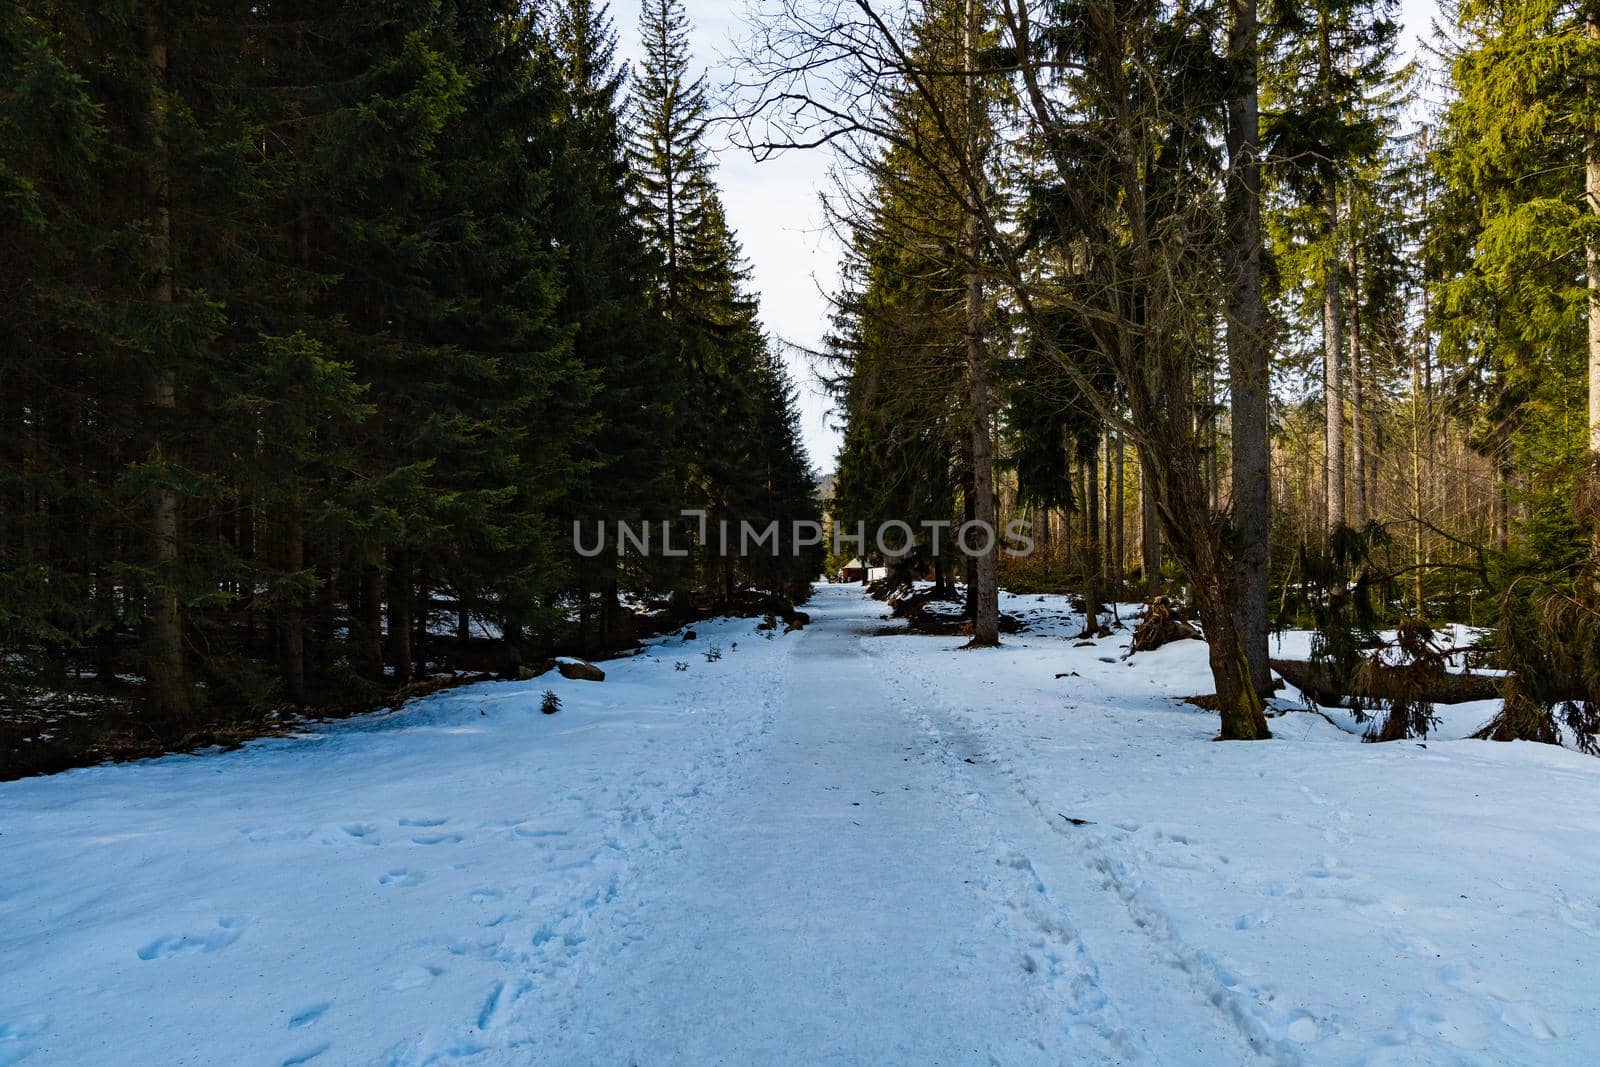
(825, 847)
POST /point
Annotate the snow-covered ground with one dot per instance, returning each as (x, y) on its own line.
(835, 846)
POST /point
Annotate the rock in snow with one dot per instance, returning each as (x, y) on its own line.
(579, 670)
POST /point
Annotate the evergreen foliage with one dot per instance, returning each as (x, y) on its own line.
(322, 321)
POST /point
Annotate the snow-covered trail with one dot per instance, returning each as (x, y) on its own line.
(833, 846)
(855, 900)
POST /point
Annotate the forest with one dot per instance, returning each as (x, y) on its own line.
(324, 324)
(320, 326)
(865, 532)
(1236, 302)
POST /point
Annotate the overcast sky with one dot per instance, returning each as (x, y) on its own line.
(774, 208)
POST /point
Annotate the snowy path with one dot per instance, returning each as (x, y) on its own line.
(826, 847)
(852, 899)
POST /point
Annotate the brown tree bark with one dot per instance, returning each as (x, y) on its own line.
(1194, 541)
(1248, 357)
(292, 641)
(372, 620)
(164, 637)
(1118, 526)
(400, 595)
(1358, 449)
(1149, 537)
(1333, 379)
(1093, 561)
(1332, 325)
(1591, 188)
(986, 592)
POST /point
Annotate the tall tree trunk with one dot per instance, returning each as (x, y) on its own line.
(292, 638)
(1248, 357)
(1332, 315)
(1196, 544)
(400, 595)
(1592, 196)
(372, 620)
(329, 580)
(1213, 438)
(423, 584)
(1417, 557)
(1358, 445)
(1118, 556)
(164, 662)
(1149, 536)
(1093, 563)
(986, 620)
(1332, 375)
(1108, 541)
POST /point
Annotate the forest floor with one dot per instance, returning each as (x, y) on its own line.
(843, 845)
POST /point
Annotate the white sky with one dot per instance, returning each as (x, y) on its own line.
(774, 208)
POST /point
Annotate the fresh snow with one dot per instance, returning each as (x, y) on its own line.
(843, 845)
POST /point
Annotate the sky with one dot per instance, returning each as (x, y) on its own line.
(774, 208)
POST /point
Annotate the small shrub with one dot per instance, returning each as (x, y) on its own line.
(712, 654)
(551, 703)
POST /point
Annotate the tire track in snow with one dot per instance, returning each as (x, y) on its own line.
(1220, 989)
(1054, 951)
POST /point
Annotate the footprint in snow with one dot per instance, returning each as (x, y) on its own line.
(436, 839)
(415, 977)
(1304, 1028)
(227, 931)
(305, 1057)
(425, 821)
(307, 1016)
(12, 1034)
(401, 876)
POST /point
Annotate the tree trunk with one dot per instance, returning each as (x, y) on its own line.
(1418, 558)
(164, 661)
(423, 605)
(1149, 536)
(400, 607)
(1196, 544)
(986, 620)
(1332, 320)
(1118, 555)
(1358, 445)
(372, 620)
(1092, 560)
(1248, 357)
(1592, 196)
(1332, 376)
(1108, 540)
(969, 566)
(292, 641)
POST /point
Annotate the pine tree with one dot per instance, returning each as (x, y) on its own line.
(1331, 98)
(721, 366)
(1512, 249)
(671, 165)
(622, 340)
